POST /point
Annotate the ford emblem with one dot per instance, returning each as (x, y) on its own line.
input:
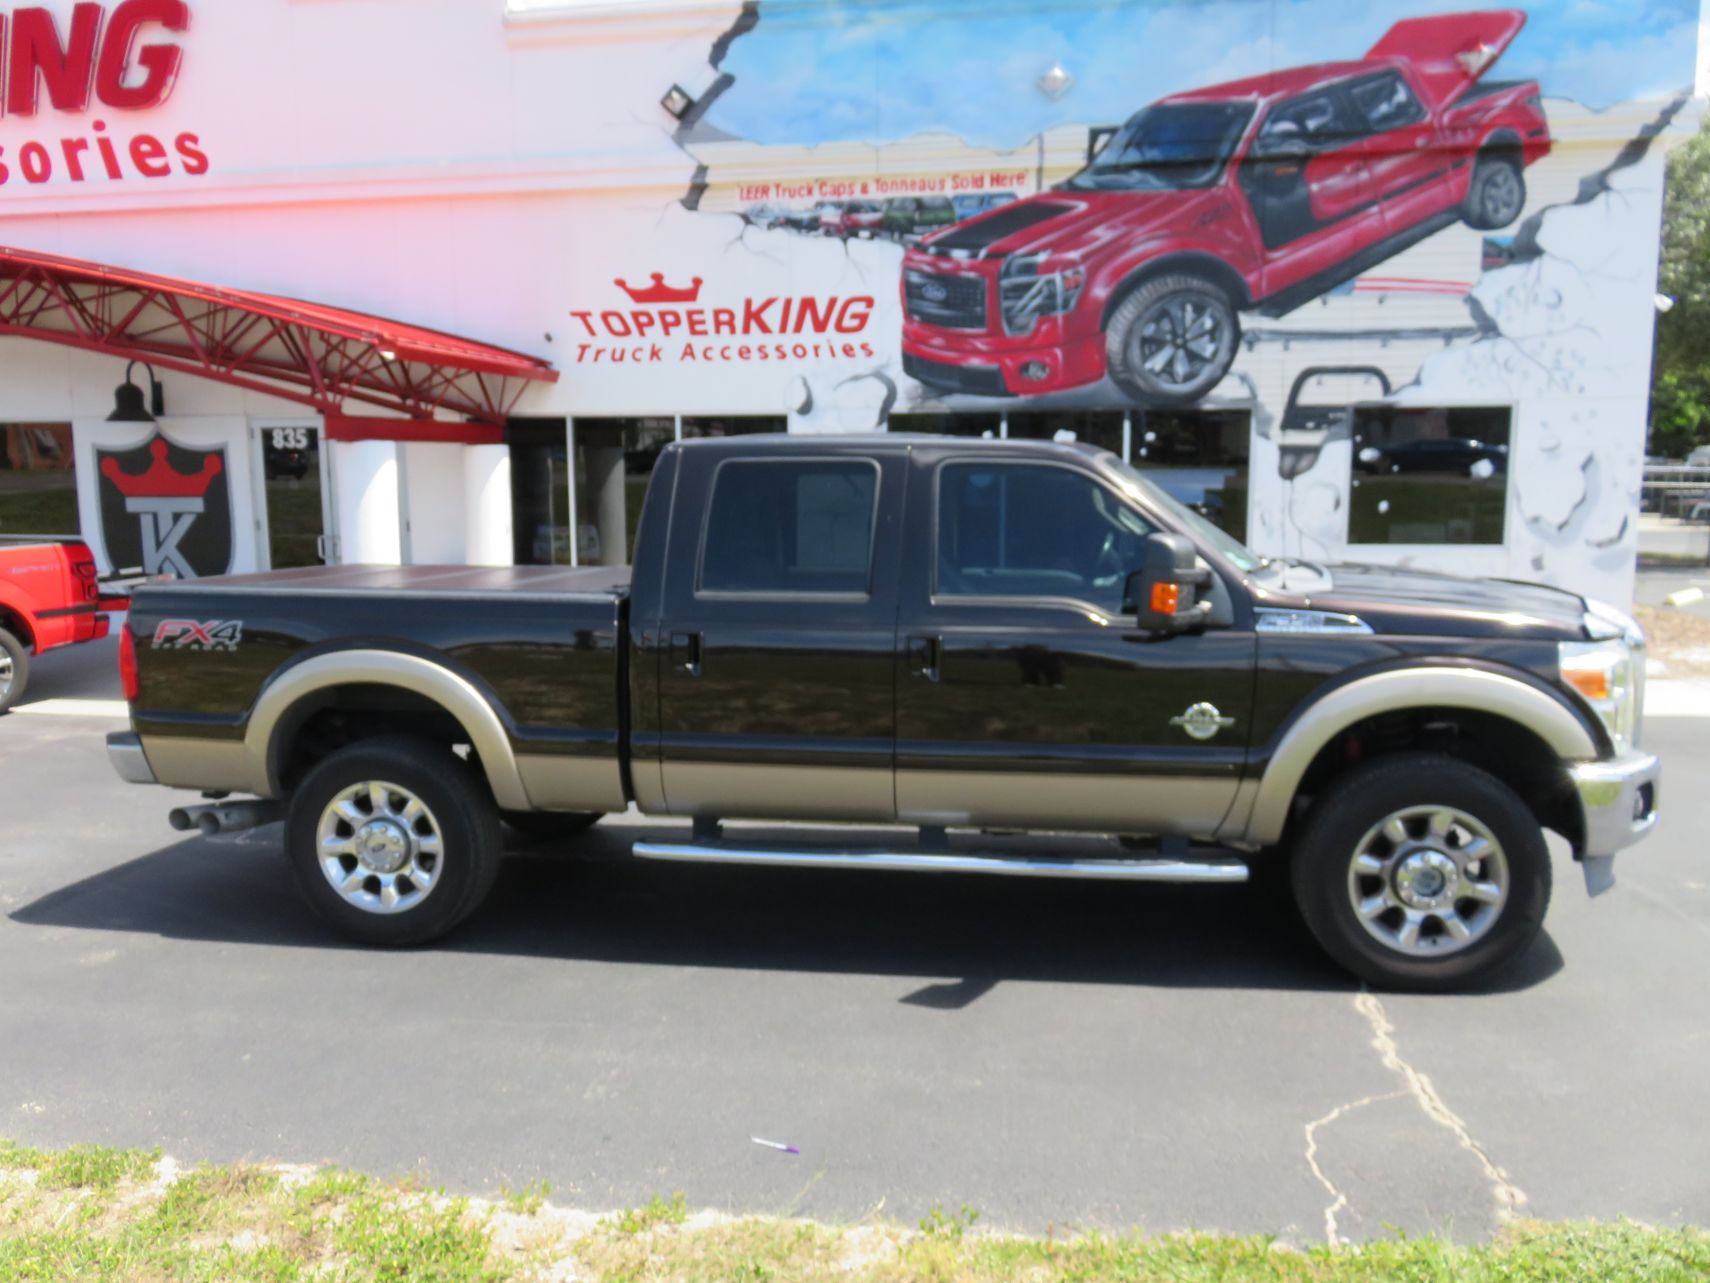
(933, 292)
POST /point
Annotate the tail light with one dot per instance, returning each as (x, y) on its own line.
(128, 664)
(84, 570)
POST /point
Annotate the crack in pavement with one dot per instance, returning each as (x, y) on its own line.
(1417, 1086)
(1339, 1199)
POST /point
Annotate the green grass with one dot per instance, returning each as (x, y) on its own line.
(82, 1167)
(39, 503)
(93, 1215)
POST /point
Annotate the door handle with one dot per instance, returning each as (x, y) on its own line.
(924, 654)
(686, 653)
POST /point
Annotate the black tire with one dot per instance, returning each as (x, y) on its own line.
(14, 669)
(1143, 329)
(551, 826)
(460, 810)
(1354, 807)
(1496, 193)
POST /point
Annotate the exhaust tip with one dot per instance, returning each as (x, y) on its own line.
(179, 818)
(209, 823)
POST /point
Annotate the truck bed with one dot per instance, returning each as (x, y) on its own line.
(543, 645)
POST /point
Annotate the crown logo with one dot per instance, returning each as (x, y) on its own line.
(659, 292)
(162, 481)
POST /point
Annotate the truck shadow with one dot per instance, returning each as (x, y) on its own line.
(594, 902)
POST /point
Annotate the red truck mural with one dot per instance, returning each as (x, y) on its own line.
(50, 597)
(1259, 194)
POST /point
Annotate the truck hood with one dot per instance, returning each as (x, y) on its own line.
(1061, 220)
(1421, 603)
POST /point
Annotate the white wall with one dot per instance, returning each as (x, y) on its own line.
(433, 502)
(493, 175)
(369, 514)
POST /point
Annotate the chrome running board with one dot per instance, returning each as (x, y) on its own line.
(1162, 870)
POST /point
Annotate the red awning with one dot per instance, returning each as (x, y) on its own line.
(306, 352)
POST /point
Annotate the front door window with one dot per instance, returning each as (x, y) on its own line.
(1008, 530)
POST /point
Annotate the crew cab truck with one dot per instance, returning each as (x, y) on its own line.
(920, 631)
(50, 596)
(1259, 194)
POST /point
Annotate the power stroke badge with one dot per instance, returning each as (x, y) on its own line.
(1202, 721)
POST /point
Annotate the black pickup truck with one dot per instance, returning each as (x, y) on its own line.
(952, 636)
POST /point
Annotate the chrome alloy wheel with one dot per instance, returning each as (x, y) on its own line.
(7, 674)
(1178, 339)
(379, 847)
(1428, 881)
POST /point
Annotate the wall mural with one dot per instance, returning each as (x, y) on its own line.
(1346, 229)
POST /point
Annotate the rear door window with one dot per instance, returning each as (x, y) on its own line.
(1384, 103)
(790, 527)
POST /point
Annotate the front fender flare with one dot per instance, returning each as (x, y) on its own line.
(1474, 689)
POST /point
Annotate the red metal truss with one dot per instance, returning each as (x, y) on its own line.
(321, 356)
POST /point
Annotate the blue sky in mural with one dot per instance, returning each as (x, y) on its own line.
(879, 70)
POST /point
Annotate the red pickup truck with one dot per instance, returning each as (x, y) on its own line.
(50, 597)
(1260, 194)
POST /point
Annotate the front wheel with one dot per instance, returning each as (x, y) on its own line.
(14, 669)
(394, 841)
(1172, 340)
(1421, 872)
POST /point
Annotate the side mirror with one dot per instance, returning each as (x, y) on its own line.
(1286, 150)
(1164, 591)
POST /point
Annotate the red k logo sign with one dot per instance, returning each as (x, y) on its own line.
(166, 509)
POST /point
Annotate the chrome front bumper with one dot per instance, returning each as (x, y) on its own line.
(125, 752)
(1619, 800)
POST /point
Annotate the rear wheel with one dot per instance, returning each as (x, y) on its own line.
(394, 841)
(1496, 194)
(1421, 872)
(1172, 340)
(14, 669)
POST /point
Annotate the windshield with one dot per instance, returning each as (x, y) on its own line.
(1220, 541)
(1167, 148)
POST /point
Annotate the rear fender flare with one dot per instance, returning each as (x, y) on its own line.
(1474, 689)
(450, 690)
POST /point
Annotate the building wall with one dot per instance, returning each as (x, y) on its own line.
(507, 172)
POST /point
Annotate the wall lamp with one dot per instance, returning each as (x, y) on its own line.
(128, 405)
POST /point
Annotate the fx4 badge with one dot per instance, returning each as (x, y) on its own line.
(1202, 721)
(194, 634)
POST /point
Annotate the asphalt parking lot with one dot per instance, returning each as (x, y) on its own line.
(1050, 1054)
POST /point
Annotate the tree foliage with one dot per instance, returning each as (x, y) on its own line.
(1680, 390)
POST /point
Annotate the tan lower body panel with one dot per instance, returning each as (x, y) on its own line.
(1191, 806)
(780, 792)
(190, 762)
(556, 783)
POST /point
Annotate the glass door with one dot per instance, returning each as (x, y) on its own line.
(297, 496)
